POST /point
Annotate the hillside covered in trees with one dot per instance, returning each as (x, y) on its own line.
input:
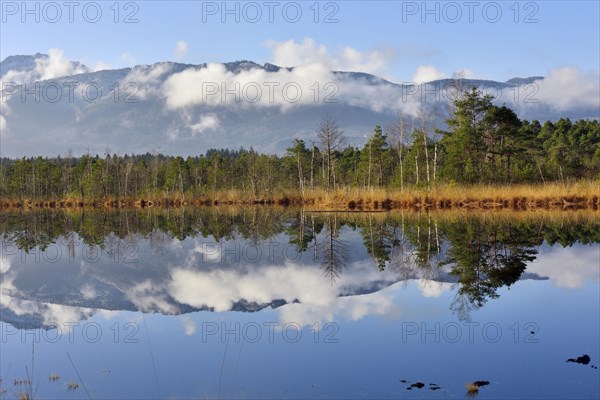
(483, 144)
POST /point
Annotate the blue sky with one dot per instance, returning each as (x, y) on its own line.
(388, 38)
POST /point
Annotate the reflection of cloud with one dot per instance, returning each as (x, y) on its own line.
(200, 273)
(570, 267)
(211, 253)
(108, 314)
(88, 292)
(4, 265)
(220, 289)
(352, 308)
(188, 324)
(148, 296)
(49, 314)
(429, 288)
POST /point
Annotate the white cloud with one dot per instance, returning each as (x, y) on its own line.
(181, 49)
(101, 66)
(427, 73)
(568, 88)
(148, 74)
(207, 122)
(292, 54)
(2, 123)
(215, 86)
(53, 66)
(309, 84)
(146, 80)
(128, 59)
(465, 73)
(56, 65)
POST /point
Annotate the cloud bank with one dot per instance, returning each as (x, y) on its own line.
(53, 66)
(181, 49)
(290, 53)
(568, 88)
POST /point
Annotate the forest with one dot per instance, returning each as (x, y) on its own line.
(484, 144)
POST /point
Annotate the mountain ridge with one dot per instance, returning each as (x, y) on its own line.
(163, 107)
(239, 66)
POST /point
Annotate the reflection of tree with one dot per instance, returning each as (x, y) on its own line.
(483, 252)
(417, 248)
(428, 256)
(462, 306)
(302, 232)
(379, 238)
(334, 251)
(486, 257)
(158, 240)
(402, 254)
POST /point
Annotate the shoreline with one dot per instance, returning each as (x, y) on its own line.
(581, 195)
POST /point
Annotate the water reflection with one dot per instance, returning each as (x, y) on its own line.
(67, 266)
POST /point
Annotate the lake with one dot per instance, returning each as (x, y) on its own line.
(267, 302)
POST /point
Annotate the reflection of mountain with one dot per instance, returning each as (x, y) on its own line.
(75, 291)
(42, 294)
(253, 259)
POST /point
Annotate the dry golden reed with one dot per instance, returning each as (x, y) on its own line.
(577, 195)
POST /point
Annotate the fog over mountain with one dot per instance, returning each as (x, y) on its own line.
(50, 104)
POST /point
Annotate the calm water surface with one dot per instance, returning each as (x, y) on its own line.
(260, 303)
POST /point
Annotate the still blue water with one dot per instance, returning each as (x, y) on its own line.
(254, 317)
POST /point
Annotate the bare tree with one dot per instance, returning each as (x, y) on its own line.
(67, 171)
(435, 114)
(335, 252)
(397, 135)
(457, 89)
(312, 166)
(423, 123)
(300, 174)
(332, 138)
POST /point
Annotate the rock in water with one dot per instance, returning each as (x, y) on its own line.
(584, 359)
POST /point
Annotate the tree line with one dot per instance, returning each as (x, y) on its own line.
(483, 144)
